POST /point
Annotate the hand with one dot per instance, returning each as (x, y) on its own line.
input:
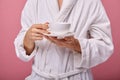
(34, 33)
(68, 42)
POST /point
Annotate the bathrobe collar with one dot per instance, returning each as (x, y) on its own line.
(60, 15)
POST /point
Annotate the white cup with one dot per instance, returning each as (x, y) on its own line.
(59, 27)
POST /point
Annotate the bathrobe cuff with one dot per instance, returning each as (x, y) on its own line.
(21, 52)
(84, 57)
(78, 56)
(93, 52)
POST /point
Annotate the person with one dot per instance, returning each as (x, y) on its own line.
(70, 58)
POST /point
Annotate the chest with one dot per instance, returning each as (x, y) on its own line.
(78, 17)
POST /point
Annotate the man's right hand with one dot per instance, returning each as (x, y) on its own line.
(35, 32)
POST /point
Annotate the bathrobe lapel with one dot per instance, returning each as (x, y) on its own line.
(52, 7)
(60, 15)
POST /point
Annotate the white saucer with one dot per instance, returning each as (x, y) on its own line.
(68, 34)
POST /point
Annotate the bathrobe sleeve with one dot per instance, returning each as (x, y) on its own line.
(99, 47)
(27, 19)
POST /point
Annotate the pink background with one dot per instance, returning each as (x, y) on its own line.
(11, 68)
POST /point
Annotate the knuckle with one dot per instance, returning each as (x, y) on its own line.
(32, 34)
(32, 29)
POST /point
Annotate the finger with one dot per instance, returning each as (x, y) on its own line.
(59, 42)
(37, 38)
(53, 39)
(36, 35)
(69, 38)
(40, 26)
(48, 38)
(40, 31)
(45, 26)
(44, 32)
(56, 41)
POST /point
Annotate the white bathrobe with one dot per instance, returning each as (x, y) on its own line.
(91, 26)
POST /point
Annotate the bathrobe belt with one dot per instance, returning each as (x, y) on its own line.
(56, 76)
